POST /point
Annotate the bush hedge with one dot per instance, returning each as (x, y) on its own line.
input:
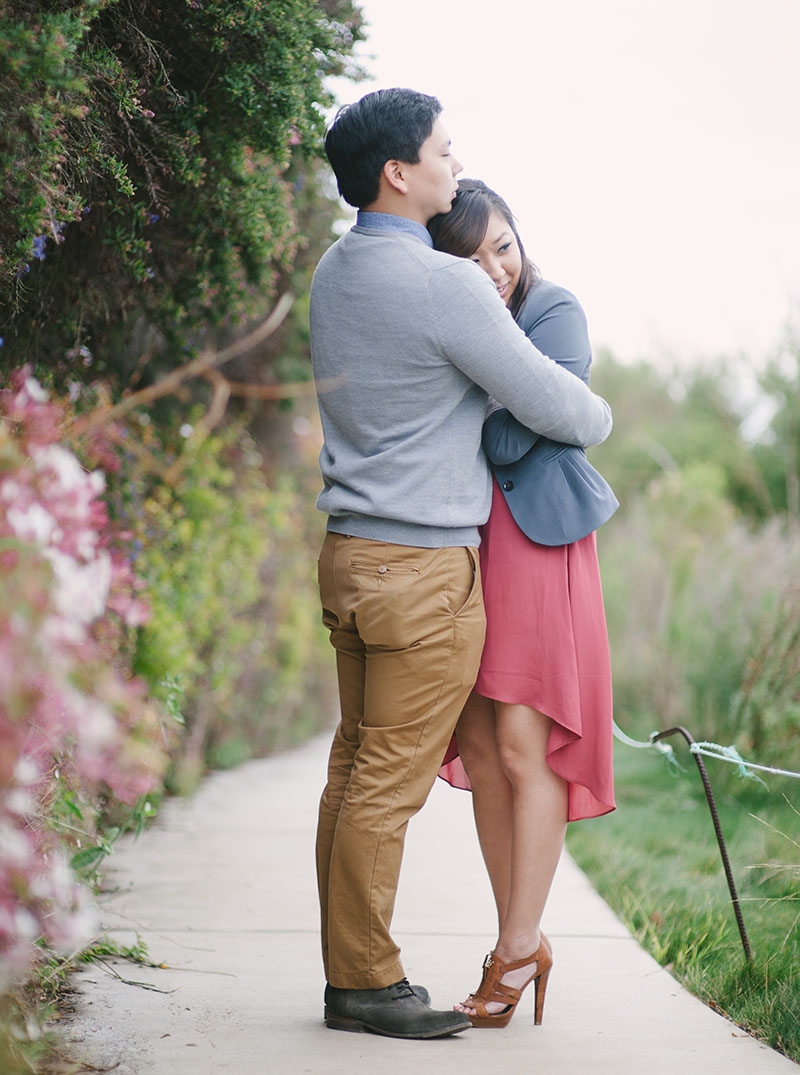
(143, 159)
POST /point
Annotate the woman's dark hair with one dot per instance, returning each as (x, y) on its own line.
(463, 229)
(384, 125)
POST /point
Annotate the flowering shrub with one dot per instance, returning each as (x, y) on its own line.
(70, 721)
(142, 162)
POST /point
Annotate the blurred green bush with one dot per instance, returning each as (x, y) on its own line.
(143, 167)
(227, 565)
(701, 564)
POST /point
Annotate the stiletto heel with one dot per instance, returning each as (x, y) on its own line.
(493, 990)
(539, 990)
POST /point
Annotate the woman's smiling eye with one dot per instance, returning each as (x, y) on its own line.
(502, 249)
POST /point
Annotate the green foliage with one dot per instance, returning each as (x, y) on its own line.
(200, 573)
(89, 821)
(232, 644)
(106, 947)
(23, 1043)
(767, 703)
(45, 94)
(142, 160)
(778, 453)
(664, 420)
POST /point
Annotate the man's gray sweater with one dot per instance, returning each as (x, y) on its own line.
(406, 343)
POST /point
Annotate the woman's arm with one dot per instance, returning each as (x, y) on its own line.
(555, 323)
(505, 440)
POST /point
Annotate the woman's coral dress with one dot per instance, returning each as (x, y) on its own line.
(547, 647)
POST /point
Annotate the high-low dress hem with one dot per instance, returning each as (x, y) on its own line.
(547, 648)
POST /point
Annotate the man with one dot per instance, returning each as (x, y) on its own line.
(406, 343)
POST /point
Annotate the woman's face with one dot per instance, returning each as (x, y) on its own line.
(499, 256)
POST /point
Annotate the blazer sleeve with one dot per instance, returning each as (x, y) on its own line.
(505, 440)
(554, 322)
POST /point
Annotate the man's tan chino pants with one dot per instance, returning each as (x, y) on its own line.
(408, 627)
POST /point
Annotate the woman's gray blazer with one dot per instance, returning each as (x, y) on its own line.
(553, 492)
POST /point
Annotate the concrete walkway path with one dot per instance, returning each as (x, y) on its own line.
(222, 891)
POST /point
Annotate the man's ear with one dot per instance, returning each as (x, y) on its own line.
(393, 172)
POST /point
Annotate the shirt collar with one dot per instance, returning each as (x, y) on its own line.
(390, 222)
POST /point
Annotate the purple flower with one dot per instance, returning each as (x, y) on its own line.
(38, 247)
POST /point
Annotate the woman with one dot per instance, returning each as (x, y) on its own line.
(534, 740)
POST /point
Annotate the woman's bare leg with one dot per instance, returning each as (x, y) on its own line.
(538, 827)
(491, 793)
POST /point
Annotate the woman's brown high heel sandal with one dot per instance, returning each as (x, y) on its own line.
(493, 990)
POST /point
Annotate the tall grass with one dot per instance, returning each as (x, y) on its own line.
(704, 618)
(656, 861)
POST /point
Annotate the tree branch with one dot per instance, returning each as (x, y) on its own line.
(173, 380)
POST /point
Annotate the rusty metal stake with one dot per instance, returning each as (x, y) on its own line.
(737, 910)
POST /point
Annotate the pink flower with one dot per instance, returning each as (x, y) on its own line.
(62, 574)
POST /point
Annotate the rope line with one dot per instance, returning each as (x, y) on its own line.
(626, 739)
(664, 749)
(710, 750)
(731, 754)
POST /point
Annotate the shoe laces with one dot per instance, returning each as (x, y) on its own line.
(401, 989)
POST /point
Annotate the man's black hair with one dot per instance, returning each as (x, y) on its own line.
(384, 125)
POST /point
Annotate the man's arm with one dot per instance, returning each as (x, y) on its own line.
(479, 336)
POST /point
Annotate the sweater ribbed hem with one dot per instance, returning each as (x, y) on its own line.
(396, 532)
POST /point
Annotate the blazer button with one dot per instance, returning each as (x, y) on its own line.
(508, 485)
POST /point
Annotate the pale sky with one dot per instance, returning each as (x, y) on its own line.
(650, 150)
